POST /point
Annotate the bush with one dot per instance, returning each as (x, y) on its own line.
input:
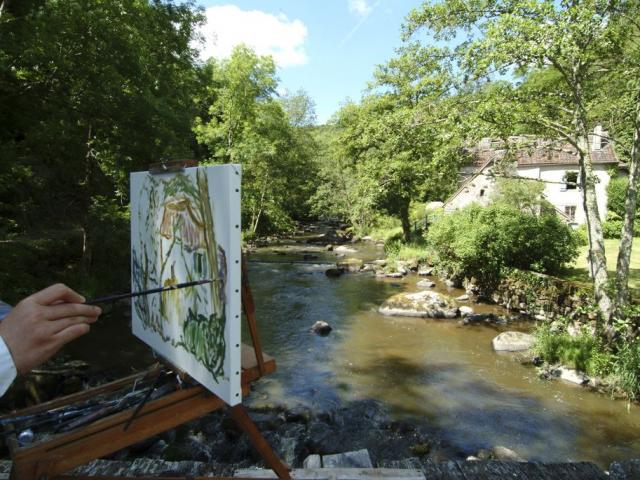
(582, 352)
(616, 193)
(612, 227)
(479, 242)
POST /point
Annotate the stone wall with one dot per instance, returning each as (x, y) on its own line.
(543, 296)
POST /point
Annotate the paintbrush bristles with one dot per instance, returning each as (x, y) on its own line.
(122, 296)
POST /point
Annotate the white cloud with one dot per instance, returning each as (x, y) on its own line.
(361, 7)
(276, 35)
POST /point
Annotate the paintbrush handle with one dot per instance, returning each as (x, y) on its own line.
(122, 296)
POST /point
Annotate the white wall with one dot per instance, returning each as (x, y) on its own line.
(561, 197)
(556, 193)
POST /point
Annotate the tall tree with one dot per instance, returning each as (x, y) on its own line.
(571, 40)
(246, 124)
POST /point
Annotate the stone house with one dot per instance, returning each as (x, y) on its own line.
(551, 161)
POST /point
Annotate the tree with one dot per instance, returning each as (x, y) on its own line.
(245, 124)
(91, 90)
(300, 108)
(560, 47)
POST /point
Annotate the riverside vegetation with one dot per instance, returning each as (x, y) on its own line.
(94, 90)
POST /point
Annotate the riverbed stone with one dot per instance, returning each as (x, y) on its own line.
(425, 271)
(425, 303)
(334, 272)
(344, 249)
(357, 459)
(465, 311)
(321, 328)
(571, 375)
(463, 298)
(351, 265)
(513, 342)
(312, 461)
(394, 275)
(503, 453)
(625, 470)
(425, 284)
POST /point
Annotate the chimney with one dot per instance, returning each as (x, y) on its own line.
(596, 138)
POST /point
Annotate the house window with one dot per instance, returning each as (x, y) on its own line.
(572, 180)
(570, 212)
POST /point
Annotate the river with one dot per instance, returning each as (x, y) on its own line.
(434, 371)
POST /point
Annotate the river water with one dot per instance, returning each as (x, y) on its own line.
(434, 371)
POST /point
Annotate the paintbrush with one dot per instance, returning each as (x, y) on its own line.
(122, 296)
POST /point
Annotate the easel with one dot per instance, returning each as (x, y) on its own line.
(50, 459)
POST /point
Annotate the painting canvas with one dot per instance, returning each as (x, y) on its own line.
(185, 226)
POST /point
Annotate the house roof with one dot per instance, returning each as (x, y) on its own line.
(531, 151)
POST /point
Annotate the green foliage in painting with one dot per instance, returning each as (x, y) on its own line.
(203, 337)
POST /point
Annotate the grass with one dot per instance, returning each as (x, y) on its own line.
(579, 271)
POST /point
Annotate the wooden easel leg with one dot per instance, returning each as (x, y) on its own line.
(239, 414)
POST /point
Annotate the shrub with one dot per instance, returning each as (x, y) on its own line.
(616, 193)
(582, 352)
(627, 368)
(480, 242)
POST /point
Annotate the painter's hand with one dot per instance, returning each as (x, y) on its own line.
(43, 322)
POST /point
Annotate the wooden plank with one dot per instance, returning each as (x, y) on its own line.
(106, 436)
(239, 414)
(250, 312)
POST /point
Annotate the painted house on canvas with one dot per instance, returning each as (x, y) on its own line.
(551, 161)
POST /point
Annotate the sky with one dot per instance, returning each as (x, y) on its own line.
(329, 48)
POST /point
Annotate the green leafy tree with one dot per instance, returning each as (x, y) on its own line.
(561, 47)
(245, 124)
(91, 90)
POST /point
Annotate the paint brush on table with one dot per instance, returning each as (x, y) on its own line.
(122, 296)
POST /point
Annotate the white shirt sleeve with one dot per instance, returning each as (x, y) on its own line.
(7, 368)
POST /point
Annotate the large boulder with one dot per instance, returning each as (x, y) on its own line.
(425, 303)
(513, 342)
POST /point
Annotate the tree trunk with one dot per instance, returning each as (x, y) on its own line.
(597, 259)
(630, 203)
(406, 224)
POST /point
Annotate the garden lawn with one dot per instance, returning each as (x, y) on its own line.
(578, 271)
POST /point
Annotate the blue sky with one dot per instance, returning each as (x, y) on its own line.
(327, 47)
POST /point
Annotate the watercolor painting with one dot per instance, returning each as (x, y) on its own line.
(185, 226)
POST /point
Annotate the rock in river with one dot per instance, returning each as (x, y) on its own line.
(420, 304)
(425, 284)
(513, 342)
(321, 328)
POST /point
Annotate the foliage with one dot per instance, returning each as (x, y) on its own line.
(617, 361)
(547, 59)
(91, 90)
(579, 352)
(478, 242)
(612, 227)
(245, 124)
(616, 193)
(526, 195)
